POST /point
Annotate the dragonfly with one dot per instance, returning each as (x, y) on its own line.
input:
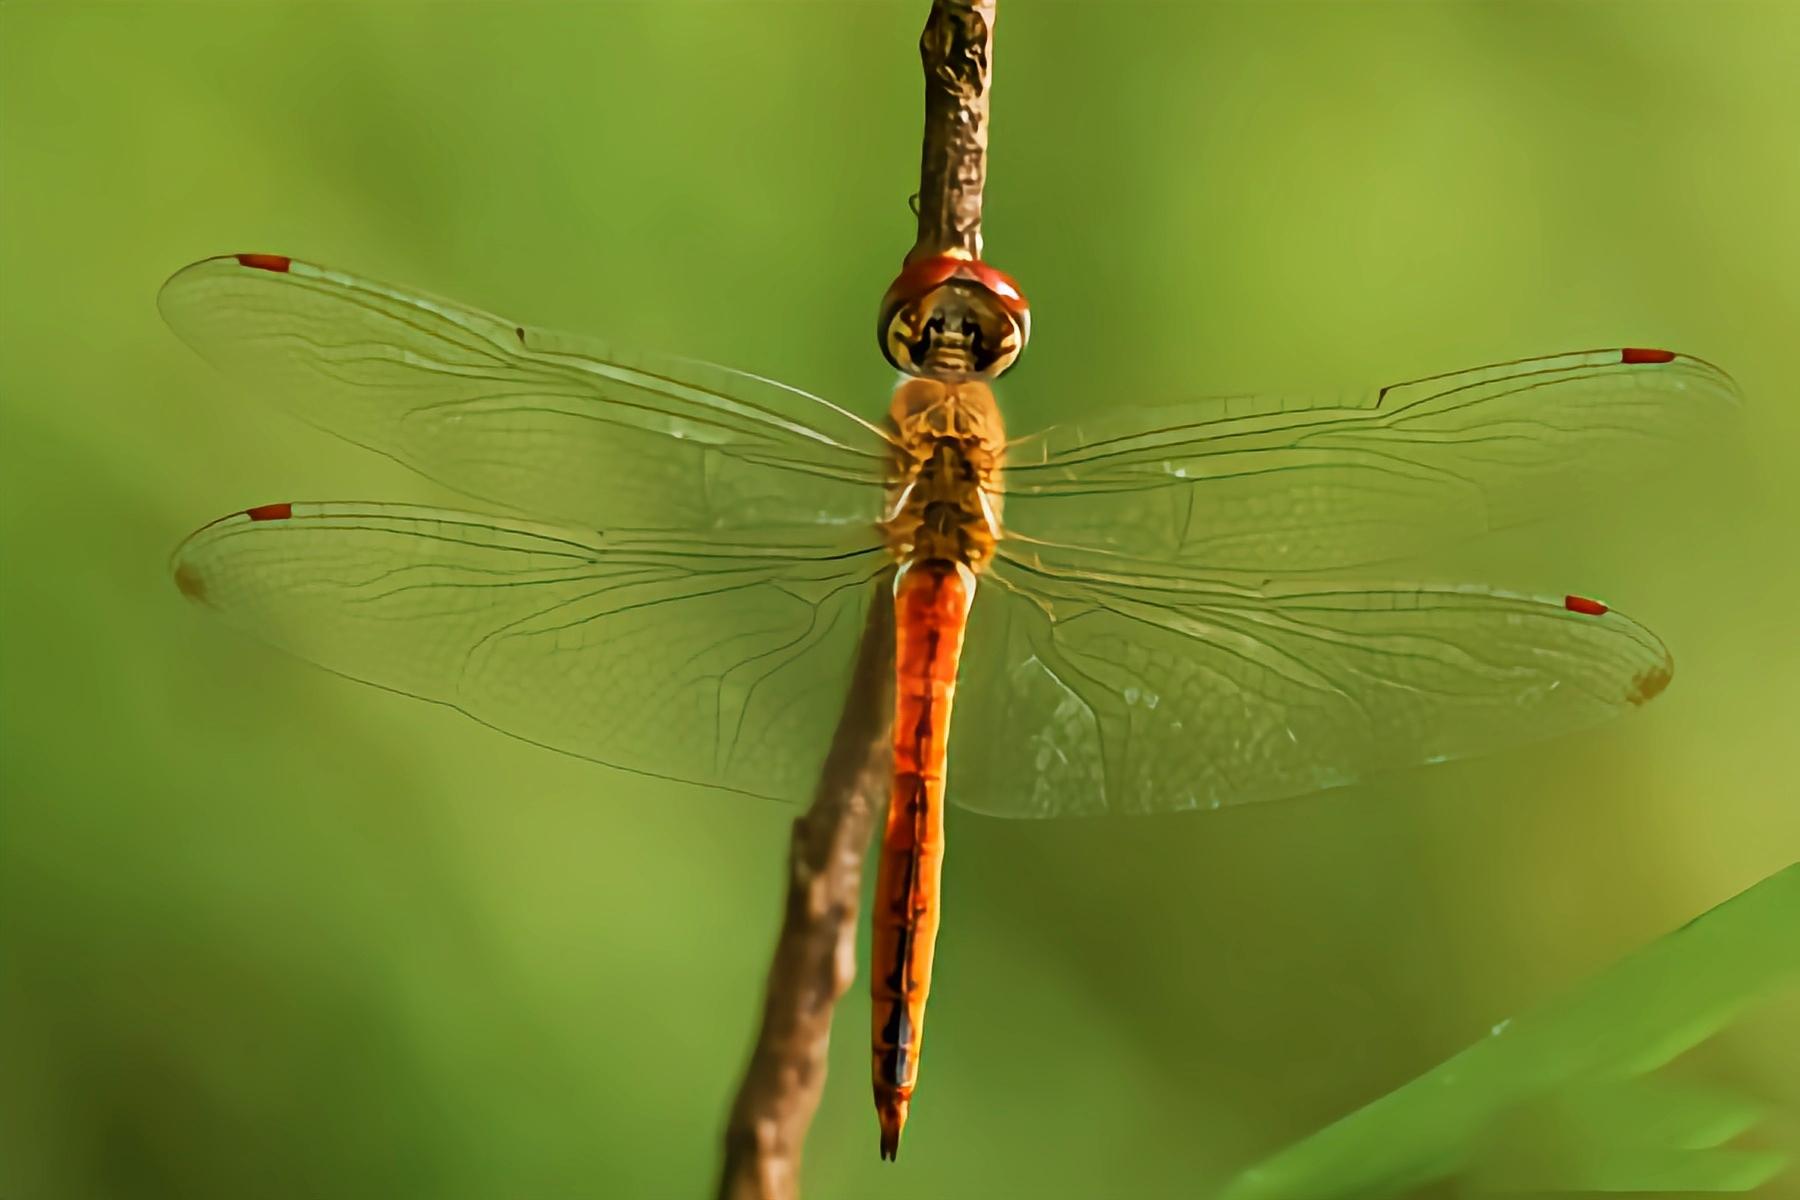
(1157, 608)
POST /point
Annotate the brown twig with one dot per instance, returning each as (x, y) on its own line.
(957, 50)
(815, 952)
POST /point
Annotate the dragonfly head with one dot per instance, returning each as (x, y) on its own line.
(953, 316)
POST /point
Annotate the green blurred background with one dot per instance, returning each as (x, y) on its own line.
(264, 932)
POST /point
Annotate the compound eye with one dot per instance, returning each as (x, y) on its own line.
(953, 316)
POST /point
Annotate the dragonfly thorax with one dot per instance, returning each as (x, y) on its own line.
(944, 501)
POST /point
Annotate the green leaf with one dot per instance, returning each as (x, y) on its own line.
(1557, 1100)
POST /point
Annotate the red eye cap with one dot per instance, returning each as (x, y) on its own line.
(917, 278)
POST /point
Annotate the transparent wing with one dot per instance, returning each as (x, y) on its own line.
(719, 663)
(544, 423)
(1092, 685)
(1272, 484)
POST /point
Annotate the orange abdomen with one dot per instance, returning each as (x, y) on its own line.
(931, 605)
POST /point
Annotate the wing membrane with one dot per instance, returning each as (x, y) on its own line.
(722, 663)
(545, 423)
(1273, 484)
(1093, 685)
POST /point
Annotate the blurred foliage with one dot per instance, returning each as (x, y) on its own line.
(1559, 1100)
(265, 933)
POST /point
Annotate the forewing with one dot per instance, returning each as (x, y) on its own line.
(1091, 686)
(545, 423)
(718, 662)
(1270, 484)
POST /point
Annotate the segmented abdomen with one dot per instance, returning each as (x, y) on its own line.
(931, 605)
